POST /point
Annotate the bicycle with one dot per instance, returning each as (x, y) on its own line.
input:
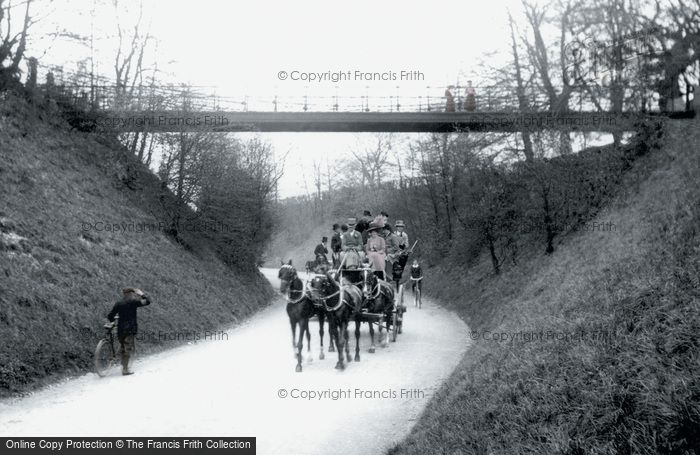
(416, 285)
(106, 355)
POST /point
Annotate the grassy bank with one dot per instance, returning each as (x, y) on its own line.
(79, 219)
(592, 349)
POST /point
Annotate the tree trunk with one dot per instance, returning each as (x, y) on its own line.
(522, 96)
(527, 146)
(492, 251)
(142, 146)
(565, 143)
(549, 229)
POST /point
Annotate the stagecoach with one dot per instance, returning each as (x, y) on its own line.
(359, 273)
(350, 292)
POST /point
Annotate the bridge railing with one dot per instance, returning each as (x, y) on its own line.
(100, 93)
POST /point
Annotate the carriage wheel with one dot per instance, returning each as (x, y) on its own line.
(394, 326)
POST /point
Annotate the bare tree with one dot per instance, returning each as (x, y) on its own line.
(676, 56)
(128, 61)
(13, 41)
(374, 160)
(523, 104)
(538, 52)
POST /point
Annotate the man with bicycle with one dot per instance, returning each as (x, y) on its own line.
(127, 326)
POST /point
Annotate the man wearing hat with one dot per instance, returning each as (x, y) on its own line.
(393, 244)
(321, 252)
(336, 245)
(127, 327)
(401, 234)
(351, 245)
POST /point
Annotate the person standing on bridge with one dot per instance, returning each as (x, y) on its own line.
(470, 102)
(127, 327)
(449, 100)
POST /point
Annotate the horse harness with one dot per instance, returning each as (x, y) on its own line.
(302, 291)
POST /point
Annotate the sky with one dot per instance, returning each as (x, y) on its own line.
(237, 48)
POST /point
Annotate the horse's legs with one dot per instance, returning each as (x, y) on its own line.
(321, 320)
(357, 339)
(383, 337)
(347, 342)
(307, 328)
(331, 347)
(371, 337)
(300, 345)
(308, 340)
(293, 323)
(335, 330)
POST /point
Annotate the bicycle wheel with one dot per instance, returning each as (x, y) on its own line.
(104, 357)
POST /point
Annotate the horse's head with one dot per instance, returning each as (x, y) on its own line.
(287, 275)
(369, 281)
(321, 286)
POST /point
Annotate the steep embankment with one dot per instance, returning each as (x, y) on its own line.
(79, 220)
(592, 349)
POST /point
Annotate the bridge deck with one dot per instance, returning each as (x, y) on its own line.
(404, 122)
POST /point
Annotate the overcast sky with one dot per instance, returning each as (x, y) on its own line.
(239, 48)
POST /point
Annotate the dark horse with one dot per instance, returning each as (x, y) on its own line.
(300, 309)
(397, 268)
(378, 299)
(340, 302)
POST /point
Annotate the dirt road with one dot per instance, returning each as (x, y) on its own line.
(245, 385)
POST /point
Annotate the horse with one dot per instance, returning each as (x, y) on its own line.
(289, 274)
(378, 298)
(396, 268)
(340, 302)
(299, 309)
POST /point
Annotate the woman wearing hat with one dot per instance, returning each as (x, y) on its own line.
(376, 249)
